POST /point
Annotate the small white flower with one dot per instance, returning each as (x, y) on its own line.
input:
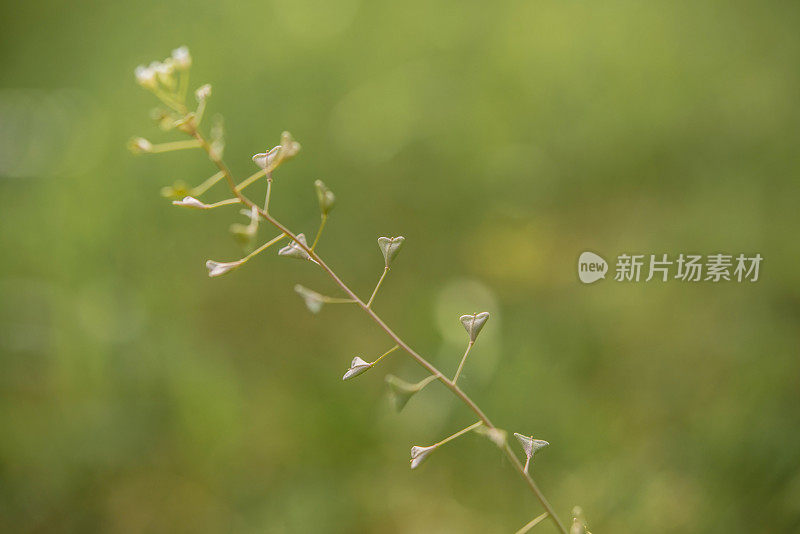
(473, 324)
(139, 145)
(163, 68)
(357, 366)
(418, 454)
(182, 58)
(390, 246)
(203, 92)
(145, 76)
(216, 268)
(164, 71)
(190, 202)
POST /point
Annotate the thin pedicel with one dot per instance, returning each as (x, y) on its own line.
(168, 80)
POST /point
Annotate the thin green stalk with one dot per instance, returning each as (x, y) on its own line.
(263, 247)
(319, 232)
(205, 186)
(269, 192)
(459, 433)
(385, 354)
(424, 382)
(175, 145)
(463, 359)
(226, 202)
(535, 521)
(378, 286)
(250, 179)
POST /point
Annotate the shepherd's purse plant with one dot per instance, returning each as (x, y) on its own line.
(168, 80)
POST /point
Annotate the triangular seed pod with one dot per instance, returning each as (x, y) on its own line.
(190, 202)
(216, 268)
(293, 250)
(418, 454)
(473, 324)
(400, 391)
(390, 246)
(357, 367)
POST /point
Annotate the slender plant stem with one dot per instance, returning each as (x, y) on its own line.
(226, 202)
(263, 247)
(175, 145)
(205, 186)
(269, 192)
(425, 381)
(250, 179)
(535, 521)
(335, 300)
(459, 433)
(377, 286)
(319, 232)
(200, 111)
(449, 384)
(385, 354)
(463, 359)
(184, 85)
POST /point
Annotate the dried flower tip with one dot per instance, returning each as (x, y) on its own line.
(177, 190)
(325, 196)
(497, 436)
(202, 92)
(244, 234)
(293, 250)
(289, 147)
(216, 268)
(473, 324)
(182, 58)
(530, 445)
(190, 202)
(418, 454)
(357, 366)
(146, 77)
(164, 69)
(140, 145)
(390, 246)
(312, 299)
(164, 72)
(400, 391)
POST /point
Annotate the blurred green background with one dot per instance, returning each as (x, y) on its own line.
(502, 139)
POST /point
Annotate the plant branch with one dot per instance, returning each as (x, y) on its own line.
(319, 232)
(535, 521)
(449, 384)
(378, 286)
(463, 359)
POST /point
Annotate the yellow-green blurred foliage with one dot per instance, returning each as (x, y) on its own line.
(502, 139)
